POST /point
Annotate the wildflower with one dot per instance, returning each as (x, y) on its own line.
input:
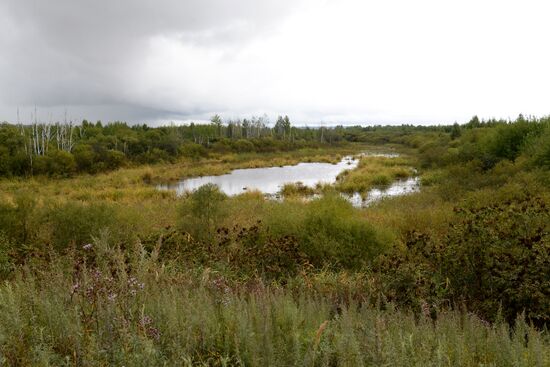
(87, 246)
(75, 288)
(145, 320)
(153, 333)
(425, 307)
(96, 274)
(134, 285)
(90, 293)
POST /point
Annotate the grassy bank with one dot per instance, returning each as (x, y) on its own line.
(136, 184)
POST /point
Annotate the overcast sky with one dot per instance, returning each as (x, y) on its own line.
(331, 61)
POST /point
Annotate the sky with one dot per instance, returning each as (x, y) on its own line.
(318, 61)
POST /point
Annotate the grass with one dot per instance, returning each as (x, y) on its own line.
(130, 309)
(424, 211)
(297, 189)
(133, 188)
(374, 172)
(133, 184)
(128, 301)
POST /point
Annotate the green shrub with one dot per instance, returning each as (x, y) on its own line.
(75, 223)
(201, 211)
(495, 260)
(6, 260)
(85, 158)
(238, 252)
(508, 140)
(498, 256)
(20, 223)
(193, 151)
(243, 146)
(40, 165)
(537, 149)
(61, 163)
(111, 159)
(329, 232)
(155, 155)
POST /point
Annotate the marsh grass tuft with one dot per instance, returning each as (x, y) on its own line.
(374, 172)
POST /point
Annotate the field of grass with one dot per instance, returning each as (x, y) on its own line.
(136, 184)
(107, 270)
(106, 306)
(132, 190)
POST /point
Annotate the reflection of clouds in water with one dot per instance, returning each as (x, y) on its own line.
(268, 180)
(402, 187)
(385, 155)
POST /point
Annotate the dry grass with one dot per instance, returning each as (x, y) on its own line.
(374, 172)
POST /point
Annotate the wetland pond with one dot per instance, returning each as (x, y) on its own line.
(270, 180)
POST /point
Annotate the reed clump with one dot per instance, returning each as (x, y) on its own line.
(374, 172)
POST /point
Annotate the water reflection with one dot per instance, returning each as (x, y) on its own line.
(398, 188)
(271, 180)
(268, 180)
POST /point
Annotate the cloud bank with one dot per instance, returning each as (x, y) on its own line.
(346, 61)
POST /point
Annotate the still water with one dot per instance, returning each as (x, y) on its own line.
(268, 180)
(397, 188)
(271, 180)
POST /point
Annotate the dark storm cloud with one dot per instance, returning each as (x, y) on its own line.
(84, 53)
(315, 60)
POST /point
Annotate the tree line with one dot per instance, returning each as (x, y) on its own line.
(65, 148)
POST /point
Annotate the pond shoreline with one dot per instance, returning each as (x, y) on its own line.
(271, 180)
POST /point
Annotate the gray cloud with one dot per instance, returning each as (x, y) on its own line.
(316, 60)
(72, 54)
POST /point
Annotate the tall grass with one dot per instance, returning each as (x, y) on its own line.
(374, 172)
(107, 270)
(101, 306)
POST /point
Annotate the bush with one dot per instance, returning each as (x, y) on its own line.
(193, 151)
(6, 261)
(40, 165)
(85, 158)
(243, 146)
(61, 163)
(111, 159)
(5, 166)
(508, 140)
(75, 223)
(499, 256)
(155, 155)
(222, 146)
(495, 260)
(537, 149)
(329, 232)
(201, 211)
(238, 251)
(19, 222)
